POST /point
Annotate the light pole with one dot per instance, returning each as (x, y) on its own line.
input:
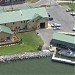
(3, 6)
(11, 4)
(50, 2)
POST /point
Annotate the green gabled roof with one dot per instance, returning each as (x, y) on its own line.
(35, 17)
(5, 29)
(64, 37)
(22, 15)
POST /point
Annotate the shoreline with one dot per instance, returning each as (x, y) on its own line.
(26, 55)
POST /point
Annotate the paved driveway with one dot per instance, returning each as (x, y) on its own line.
(46, 35)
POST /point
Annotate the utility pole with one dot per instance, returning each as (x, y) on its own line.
(3, 6)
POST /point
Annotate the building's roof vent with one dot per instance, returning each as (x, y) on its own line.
(21, 13)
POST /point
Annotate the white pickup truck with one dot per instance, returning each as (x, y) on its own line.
(73, 13)
(55, 25)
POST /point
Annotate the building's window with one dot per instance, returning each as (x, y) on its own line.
(27, 20)
(26, 26)
(2, 40)
(13, 22)
(8, 38)
(7, 1)
(19, 27)
(16, 27)
(5, 24)
(14, 0)
(24, 21)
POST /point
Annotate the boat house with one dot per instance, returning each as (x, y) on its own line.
(63, 40)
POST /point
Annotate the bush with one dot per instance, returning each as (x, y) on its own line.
(39, 48)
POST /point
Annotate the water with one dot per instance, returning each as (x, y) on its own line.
(43, 66)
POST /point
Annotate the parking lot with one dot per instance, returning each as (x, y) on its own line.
(59, 15)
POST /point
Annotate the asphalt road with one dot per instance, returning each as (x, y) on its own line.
(44, 2)
(36, 4)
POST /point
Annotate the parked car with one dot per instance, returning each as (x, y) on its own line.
(56, 28)
(73, 13)
(49, 15)
(55, 25)
(50, 18)
(69, 10)
(73, 29)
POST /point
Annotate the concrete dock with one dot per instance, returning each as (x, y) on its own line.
(54, 58)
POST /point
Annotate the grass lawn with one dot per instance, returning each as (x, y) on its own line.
(31, 43)
(69, 5)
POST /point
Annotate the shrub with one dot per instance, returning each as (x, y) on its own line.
(39, 48)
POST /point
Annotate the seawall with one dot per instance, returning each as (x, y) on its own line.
(26, 55)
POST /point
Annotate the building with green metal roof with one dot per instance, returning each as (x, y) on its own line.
(63, 40)
(33, 18)
(22, 15)
(5, 33)
(5, 29)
